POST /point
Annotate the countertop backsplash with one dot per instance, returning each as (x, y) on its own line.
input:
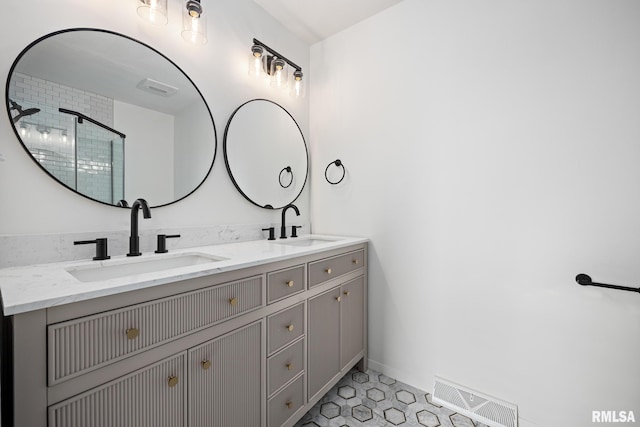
(20, 250)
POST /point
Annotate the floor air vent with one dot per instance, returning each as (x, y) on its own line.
(477, 406)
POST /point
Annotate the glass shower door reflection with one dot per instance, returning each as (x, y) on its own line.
(100, 162)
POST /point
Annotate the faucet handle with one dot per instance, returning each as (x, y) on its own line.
(162, 242)
(272, 232)
(101, 248)
(294, 230)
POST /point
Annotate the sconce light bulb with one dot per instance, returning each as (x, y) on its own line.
(297, 86)
(194, 23)
(23, 129)
(194, 28)
(194, 8)
(255, 61)
(257, 51)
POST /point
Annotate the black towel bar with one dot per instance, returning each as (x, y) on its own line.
(585, 280)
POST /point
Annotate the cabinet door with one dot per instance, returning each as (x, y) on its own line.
(352, 320)
(151, 397)
(324, 339)
(225, 380)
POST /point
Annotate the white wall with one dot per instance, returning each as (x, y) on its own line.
(31, 202)
(190, 166)
(493, 152)
(148, 152)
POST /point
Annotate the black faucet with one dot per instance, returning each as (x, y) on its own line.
(134, 239)
(283, 229)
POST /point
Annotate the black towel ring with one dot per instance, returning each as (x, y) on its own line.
(287, 169)
(338, 163)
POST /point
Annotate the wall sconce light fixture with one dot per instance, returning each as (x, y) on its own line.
(154, 11)
(275, 67)
(194, 22)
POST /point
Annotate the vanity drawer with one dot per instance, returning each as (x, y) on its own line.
(150, 397)
(284, 404)
(281, 284)
(326, 269)
(82, 345)
(284, 327)
(282, 367)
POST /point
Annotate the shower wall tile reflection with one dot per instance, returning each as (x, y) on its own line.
(58, 145)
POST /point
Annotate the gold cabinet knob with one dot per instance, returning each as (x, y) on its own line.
(338, 299)
(289, 366)
(172, 381)
(290, 283)
(132, 333)
(290, 328)
(328, 271)
(347, 293)
(289, 404)
(206, 364)
(233, 301)
(356, 261)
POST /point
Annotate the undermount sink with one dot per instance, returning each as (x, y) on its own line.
(305, 241)
(128, 267)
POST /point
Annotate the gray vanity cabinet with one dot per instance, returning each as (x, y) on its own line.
(150, 397)
(337, 319)
(336, 332)
(351, 320)
(324, 339)
(252, 347)
(224, 380)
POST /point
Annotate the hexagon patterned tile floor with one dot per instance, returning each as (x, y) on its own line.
(373, 399)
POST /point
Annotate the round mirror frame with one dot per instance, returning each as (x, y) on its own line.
(226, 159)
(69, 30)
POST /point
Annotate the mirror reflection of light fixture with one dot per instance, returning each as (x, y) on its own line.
(23, 129)
(276, 67)
(154, 11)
(44, 132)
(194, 22)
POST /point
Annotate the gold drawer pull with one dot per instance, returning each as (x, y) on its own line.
(328, 271)
(172, 381)
(289, 404)
(206, 364)
(356, 262)
(233, 302)
(347, 293)
(290, 328)
(132, 333)
(290, 283)
(289, 366)
(338, 299)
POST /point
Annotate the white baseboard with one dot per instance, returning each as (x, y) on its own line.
(404, 377)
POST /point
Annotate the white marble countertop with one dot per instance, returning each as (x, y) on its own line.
(41, 286)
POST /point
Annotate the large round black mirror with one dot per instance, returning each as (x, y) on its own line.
(110, 117)
(266, 154)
